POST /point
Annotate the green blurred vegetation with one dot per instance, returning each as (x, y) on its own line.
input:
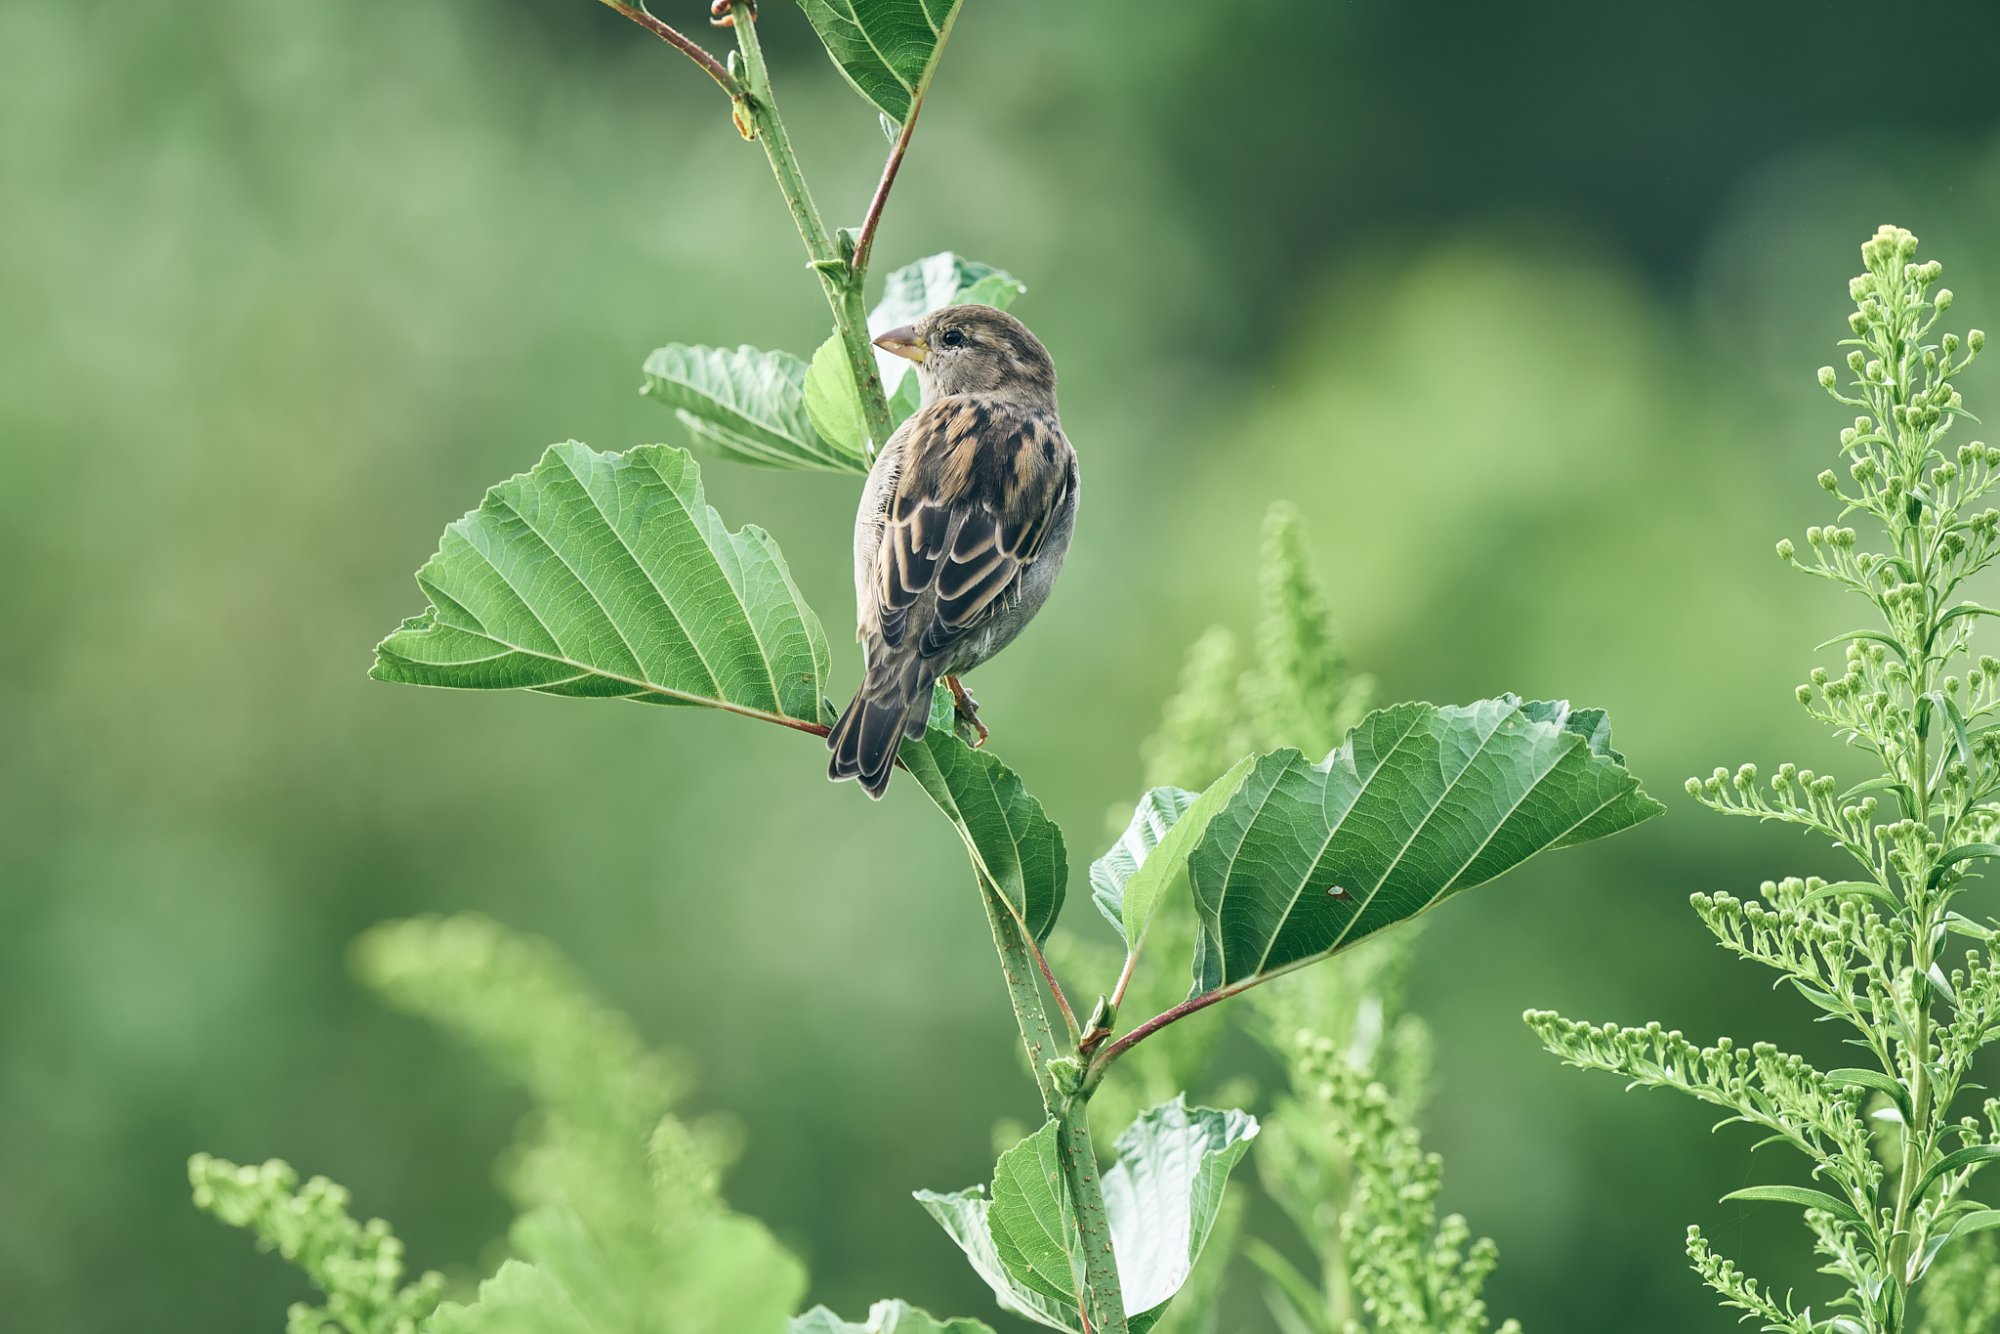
(285, 287)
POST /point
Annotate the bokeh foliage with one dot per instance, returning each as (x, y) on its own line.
(285, 285)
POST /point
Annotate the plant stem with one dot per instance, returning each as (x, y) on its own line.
(1103, 1297)
(864, 246)
(691, 49)
(1099, 1296)
(840, 276)
(1094, 1074)
(1029, 1015)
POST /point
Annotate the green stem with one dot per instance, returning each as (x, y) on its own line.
(1096, 1265)
(841, 279)
(1018, 968)
(1103, 1299)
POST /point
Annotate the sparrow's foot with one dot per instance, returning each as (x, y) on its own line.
(968, 709)
(722, 13)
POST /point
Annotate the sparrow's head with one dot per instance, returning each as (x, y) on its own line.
(975, 350)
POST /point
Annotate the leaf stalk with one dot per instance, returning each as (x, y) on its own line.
(681, 42)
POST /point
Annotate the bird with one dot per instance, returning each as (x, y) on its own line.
(963, 526)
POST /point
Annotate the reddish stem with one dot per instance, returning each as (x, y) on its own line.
(865, 243)
(1110, 1053)
(1055, 988)
(686, 46)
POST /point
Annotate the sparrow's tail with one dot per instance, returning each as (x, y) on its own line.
(894, 702)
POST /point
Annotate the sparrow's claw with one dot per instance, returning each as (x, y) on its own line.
(968, 709)
(722, 13)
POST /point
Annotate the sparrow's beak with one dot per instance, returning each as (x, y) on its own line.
(904, 342)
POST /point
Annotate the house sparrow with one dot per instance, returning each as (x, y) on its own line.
(963, 525)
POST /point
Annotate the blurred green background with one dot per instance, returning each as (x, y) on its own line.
(1521, 308)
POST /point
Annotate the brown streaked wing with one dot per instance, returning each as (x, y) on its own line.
(983, 486)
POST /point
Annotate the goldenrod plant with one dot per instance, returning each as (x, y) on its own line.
(1892, 1143)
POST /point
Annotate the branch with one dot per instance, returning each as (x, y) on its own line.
(1099, 1063)
(865, 244)
(1055, 988)
(757, 111)
(686, 46)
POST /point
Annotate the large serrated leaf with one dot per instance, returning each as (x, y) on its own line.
(1032, 1224)
(895, 1317)
(963, 1215)
(1161, 1193)
(746, 405)
(888, 49)
(1126, 882)
(608, 576)
(1418, 804)
(1017, 848)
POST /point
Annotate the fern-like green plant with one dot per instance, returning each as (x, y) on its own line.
(620, 1228)
(597, 575)
(1886, 956)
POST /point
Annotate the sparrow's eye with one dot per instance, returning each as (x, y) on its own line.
(952, 338)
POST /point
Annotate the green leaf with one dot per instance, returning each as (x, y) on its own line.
(608, 576)
(1865, 888)
(1962, 609)
(746, 405)
(915, 290)
(1418, 804)
(1873, 636)
(1957, 721)
(1856, 1077)
(1811, 1199)
(1163, 1192)
(1979, 1221)
(1965, 852)
(1955, 1161)
(1030, 1219)
(895, 1317)
(833, 403)
(1127, 882)
(963, 1216)
(1017, 849)
(888, 49)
